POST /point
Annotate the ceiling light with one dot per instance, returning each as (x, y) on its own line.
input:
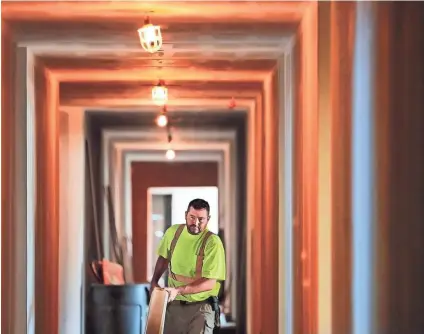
(150, 37)
(170, 154)
(161, 120)
(160, 94)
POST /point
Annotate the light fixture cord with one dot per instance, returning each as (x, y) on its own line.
(169, 134)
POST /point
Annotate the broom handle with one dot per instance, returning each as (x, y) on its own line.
(112, 225)
(93, 200)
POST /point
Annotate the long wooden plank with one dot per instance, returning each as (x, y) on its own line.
(157, 311)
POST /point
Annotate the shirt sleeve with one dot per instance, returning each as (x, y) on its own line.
(165, 242)
(214, 261)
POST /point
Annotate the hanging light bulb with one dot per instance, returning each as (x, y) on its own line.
(160, 94)
(161, 120)
(150, 36)
(170, 154)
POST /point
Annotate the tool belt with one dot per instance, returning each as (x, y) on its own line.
(212, 301)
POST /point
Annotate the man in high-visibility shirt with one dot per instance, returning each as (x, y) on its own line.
(195, 258)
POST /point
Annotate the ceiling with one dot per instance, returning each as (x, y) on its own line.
(225, 35)
(211, 50)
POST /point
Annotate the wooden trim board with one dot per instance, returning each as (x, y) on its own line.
(157, 311)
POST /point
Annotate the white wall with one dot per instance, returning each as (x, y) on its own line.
(71, 229)
(63, 215)
(181, 196)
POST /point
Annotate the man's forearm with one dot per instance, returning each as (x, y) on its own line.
(200, 285)
(160, 268)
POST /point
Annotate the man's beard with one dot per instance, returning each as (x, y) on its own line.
(193, 229)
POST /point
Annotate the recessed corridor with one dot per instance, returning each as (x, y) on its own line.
(306, 116)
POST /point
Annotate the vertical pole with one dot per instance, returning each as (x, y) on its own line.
(363, 219)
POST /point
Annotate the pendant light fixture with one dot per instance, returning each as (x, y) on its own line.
(150, 36)
(170, 153)
(160, 94)
(162, 119)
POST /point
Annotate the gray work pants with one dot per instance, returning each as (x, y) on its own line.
(195, 318)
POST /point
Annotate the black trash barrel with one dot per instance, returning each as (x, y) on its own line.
(117, 309)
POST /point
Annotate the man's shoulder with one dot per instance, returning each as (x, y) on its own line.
(174, 227)
(170, 231)
(214, 241)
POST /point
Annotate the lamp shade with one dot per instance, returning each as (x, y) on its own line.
(160, 95)
(150, 37)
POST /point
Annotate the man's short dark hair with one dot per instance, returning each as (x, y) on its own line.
(199, 204)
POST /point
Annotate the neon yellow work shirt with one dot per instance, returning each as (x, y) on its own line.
(184, 258)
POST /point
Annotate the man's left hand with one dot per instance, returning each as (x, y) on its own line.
(172, 293)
